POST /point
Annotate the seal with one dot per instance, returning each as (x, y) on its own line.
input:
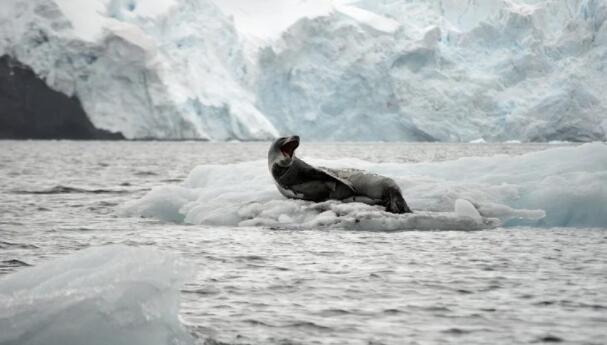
(298, 180)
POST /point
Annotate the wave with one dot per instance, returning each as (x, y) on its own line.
(60, 189)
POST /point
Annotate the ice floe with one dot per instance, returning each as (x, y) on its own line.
(564, 186)
(105, 295)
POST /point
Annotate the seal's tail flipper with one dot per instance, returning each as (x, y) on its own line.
(395, 202)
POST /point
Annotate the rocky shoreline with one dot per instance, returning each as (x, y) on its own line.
(29, 109)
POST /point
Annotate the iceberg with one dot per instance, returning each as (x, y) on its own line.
(103, 295)
(564, 186)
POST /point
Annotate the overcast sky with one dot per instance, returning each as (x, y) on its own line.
(267, 18)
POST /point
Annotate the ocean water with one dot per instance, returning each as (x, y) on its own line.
(263, 285)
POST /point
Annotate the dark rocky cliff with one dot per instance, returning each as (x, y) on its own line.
(29, 109)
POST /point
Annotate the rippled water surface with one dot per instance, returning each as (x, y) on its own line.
(265, 286)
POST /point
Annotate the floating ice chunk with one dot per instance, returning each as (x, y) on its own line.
(564, 186)
(505, 212)
(491, 210)
(421, 220)
(357, 216)
(164, 203)
(106, 295)
(465, 208)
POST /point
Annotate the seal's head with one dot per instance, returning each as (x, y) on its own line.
(282, 151)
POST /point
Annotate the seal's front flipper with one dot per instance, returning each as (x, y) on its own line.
(394, 201)
(313, 191)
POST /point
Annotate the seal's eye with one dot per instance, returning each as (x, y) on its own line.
(289, 147)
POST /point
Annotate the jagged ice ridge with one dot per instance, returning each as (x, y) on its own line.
(449, 70)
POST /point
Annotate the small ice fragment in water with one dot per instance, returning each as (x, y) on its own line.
(465, 208)
(105, 295)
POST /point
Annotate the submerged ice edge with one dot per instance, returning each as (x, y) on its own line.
(563, 186)
(112, 294)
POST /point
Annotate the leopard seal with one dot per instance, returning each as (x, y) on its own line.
(298, 180)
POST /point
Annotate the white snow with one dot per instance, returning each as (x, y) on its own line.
(266, 20)
(450, 70)
(557, 187)
(105, 295)
(371, 19)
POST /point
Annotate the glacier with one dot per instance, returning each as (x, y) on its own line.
(564, 186)
(452, 71)
(100, 295)
(446, 70)
(143, 68)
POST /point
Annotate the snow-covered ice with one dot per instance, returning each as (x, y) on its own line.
(449, 70)
(101, 295)
(564, 186)
(169, 69)
(263, 21)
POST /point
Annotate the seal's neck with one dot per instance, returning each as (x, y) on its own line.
(279, 171)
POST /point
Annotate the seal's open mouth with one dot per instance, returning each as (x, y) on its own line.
(289, 146)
